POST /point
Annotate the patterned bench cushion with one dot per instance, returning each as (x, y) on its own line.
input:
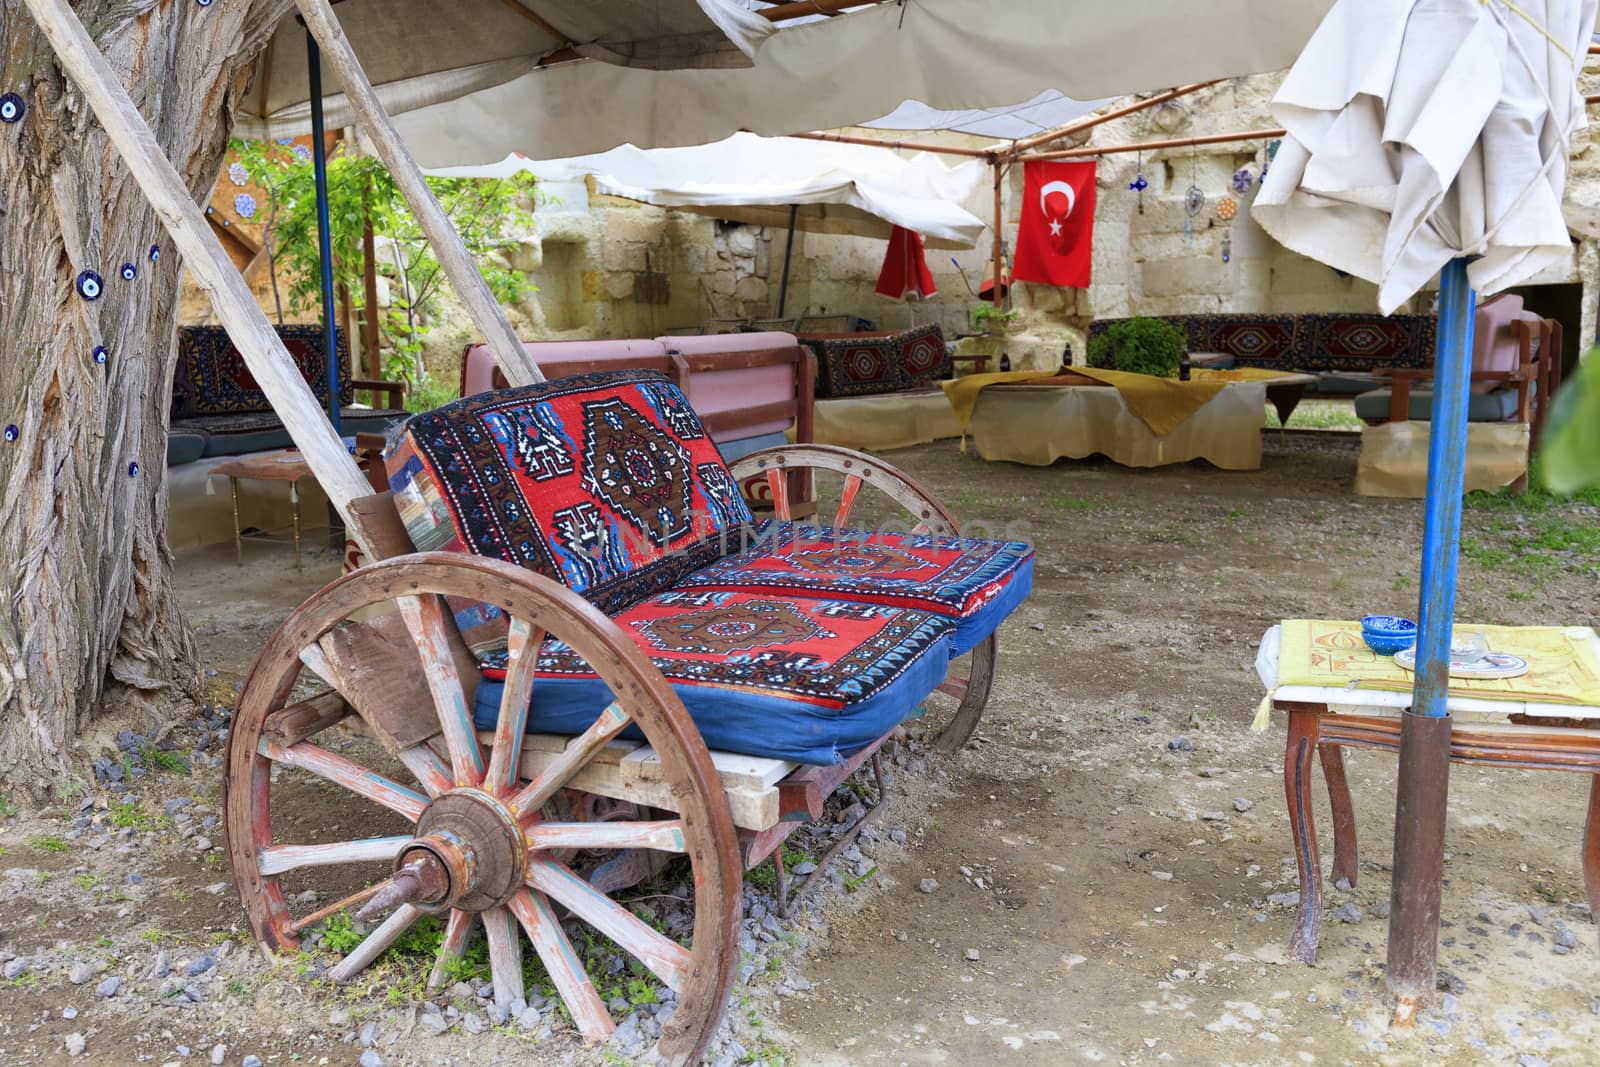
(790, 678)
(212, 378)
(607, 483)
(975, 583)
(855, 364)
(1314, 341)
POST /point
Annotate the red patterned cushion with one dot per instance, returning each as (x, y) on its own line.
(607, 483)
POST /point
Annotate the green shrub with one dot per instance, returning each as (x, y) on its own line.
(1140, 346)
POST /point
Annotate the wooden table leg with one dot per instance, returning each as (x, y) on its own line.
(1297, 764)
(1591, 849)
(1345, 861)
(238, 542)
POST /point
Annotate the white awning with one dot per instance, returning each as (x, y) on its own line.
(834, 188)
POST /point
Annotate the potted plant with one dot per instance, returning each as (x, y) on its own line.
(990, 320)
(1140, 346)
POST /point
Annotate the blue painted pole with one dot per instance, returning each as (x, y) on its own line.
(1424, 774)
(319, 165)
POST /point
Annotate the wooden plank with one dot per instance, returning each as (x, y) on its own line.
(737, 770)
(383, 679)
(293, 724)
(205, 259)
(453, 256)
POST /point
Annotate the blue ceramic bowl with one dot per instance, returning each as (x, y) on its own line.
(1388, 634)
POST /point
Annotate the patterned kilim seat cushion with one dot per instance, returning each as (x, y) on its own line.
(856, 364)
(973, 582)
(607, 483)
(1313, 341)
(212, 378)
(790, 678)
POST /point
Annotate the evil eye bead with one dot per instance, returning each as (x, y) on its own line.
(155, 253)
(12, 108)
(133, 470)
(89, 285)
(100, 353)
(12, 433)
(203, 3)
(129, 272)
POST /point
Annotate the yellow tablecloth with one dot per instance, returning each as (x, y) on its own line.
(1161, 403)
(1562, 665)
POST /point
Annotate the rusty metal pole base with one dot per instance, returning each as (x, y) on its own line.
(1419, 819)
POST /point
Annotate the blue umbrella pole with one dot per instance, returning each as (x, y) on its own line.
(1424, 774)
(319, 164)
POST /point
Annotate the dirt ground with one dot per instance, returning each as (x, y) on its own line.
(1111, 855)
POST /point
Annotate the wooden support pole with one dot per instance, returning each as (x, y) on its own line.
(1088, 151)
(333, 467)
(457, 262)
(1001, 291)
(803, 8)
(1030, 143)
(370, 341)
(907, 146)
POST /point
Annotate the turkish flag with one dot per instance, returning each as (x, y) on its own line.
(1055, 239)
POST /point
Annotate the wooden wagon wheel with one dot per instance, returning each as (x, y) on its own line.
(971, 676)
(481, 840)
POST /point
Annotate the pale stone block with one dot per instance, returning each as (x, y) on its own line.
(619, 285)
(751, 289)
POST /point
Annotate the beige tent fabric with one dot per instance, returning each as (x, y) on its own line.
(1394, 457)
(1040, 426)
(882, 423)
(839, 71)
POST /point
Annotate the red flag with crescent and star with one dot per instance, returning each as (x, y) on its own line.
(1055, 239)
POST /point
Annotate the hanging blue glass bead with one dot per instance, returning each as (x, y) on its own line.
(129, 272)
(1243, 179)
(89, 285)
(155, 253)
(100, 353)
(12, 108)
(12, 433)
(133, 470)
(1227, 248)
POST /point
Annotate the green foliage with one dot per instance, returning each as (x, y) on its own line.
(986, 318)
(50, 843)
(1571, 451)
(339, 935)
(359, 186)
(1139, 346)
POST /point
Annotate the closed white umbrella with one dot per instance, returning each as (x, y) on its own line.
(1423, 131)
(1429, 134)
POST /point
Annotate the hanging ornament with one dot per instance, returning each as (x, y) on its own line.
(89, 285)
(1243, 180)
(12, 108)
(128, 271)
(1227, 246)
(1272, 153)
(12, 433)
(100, 354)
(1227, 208)
(155, 253)
(237, 173)
(302, 153)
(1194, 200)
(1139, 185)
(245, 205)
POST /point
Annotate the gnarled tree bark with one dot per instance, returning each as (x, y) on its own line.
(85, 568)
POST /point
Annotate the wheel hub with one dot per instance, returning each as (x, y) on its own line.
(473, 841)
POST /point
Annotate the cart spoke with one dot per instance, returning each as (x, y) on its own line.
(505, 955)
(578, 752)
(424, 617)
(561, 962)
(522, 660)
(376, 942)
(354, 777)
(360, 896)
(275, 859)
(663, 836)
(431, 771)
(455, 939)
(847, 499)
(779, 485)
(666, 958)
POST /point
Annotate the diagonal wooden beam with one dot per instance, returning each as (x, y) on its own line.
(1030, 143)
(334, 468)
(469, 285)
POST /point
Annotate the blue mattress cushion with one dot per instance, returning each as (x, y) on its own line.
(973, 582)
(800, 679)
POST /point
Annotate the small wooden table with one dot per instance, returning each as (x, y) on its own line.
(285, 466)
(1516, 733)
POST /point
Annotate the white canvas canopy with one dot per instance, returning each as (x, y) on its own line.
(947, 54)
(835, 188)
(1420, 132)
(1013, 122)
(419, 52)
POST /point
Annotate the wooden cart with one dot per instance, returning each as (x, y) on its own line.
(527, 832)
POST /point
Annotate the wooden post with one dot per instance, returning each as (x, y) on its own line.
(370, 340)
(333, 467)
(490, 318)
(1000, 288)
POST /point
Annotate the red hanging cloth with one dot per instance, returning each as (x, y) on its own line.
(905, 274)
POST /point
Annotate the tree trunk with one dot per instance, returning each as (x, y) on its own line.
(85, 567)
